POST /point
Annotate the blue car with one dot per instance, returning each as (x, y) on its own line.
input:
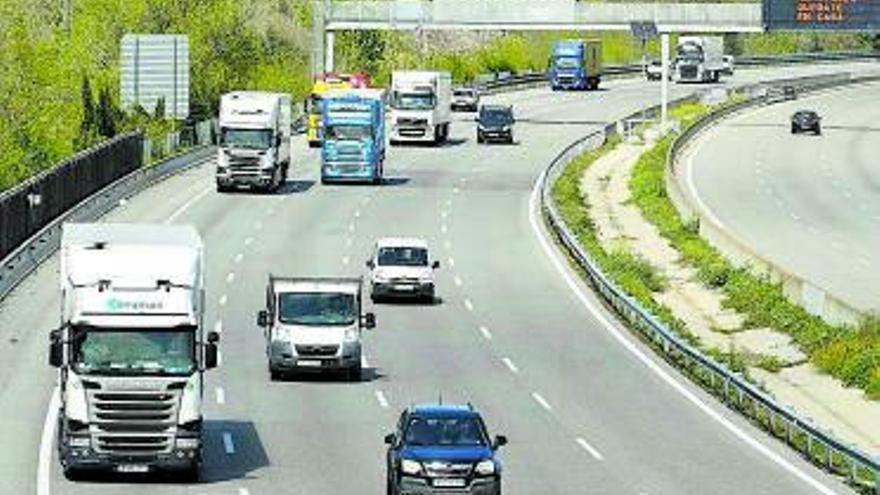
(442, 449)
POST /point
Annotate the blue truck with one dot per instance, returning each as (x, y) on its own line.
(353, 148)
(575, 64)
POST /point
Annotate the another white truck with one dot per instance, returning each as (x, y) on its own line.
(314, 325)
(420, 106)
(699, 58)
(131, 349)
(255, 132)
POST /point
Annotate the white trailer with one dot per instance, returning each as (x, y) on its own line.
(131, 349)
(255, 132)
(420, 106)
(699, 58)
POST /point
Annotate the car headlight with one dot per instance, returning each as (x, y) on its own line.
(79, 442)
(351, 335)
(187, 443)
(410, 467)
(485, 468)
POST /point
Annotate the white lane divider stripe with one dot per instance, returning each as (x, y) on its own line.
(258, 225)
(239, 257)
(351, 227)
(221, 395)
(589, 448)
(348, 242)
(244, 491)
(345, 260)
(230, 277)
(248, 241)
(541, 401)
(47, 443)
(443, 228)
(509, 363)
(468, 305)
(223, 300)
(188, 204)
(486, 333)
(451, 263)
(357, 213)
(380, 397)
(457, 281)
(228, 445)
(653, 366)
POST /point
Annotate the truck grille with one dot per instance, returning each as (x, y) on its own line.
(134, 422)
(244, 164)
(447, 470)
(412, 122)
(316, 350)
(687, 72)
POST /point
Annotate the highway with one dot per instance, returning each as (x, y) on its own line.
(586, 407)
(772, 190)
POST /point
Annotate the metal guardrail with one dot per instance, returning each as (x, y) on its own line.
(820, 447)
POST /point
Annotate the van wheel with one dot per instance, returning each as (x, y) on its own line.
(191, 473)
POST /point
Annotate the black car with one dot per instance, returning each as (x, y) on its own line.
(806, 121)
(495, 123)
(442, 449)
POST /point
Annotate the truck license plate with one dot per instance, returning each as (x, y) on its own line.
(309, 363)
(132, 468)
(405, 288)
(449, 482)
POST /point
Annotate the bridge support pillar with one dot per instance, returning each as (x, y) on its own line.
(329, 51)
(664, 78)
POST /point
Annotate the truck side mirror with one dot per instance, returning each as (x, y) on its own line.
(435, 265)
(500, 441)
(370, 264)
(56, 349)
(389, 439)
(263, 318)
(278, 141)
(211, 352)
(370, 320)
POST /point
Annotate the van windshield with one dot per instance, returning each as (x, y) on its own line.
(253, 139)
(317, 308)
(402, 256)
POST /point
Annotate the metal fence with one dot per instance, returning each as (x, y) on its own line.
(25, 209)
(815, 444)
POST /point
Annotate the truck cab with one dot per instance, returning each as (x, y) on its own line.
(421, 106)
(131, 349)
(353, 147)
(699, 59)
(254, 147)
(575, 65)
(314, 107)
(314, 325)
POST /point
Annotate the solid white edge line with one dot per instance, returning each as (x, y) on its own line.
(509, 363)
(380, 397)
(691, 183)
(188, 204)
(228, 445)
(221, 395)
(589, 448)
(468, 304)
(486, 333)
(649, 363)
(44, 463)
(230, 277)
(457, 281)
(541, 401)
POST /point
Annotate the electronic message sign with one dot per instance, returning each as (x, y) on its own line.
(822, 15)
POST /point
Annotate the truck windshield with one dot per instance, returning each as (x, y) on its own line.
(690, 53)
(413, 101)
(316, 308)
(255, 139)
(402, 256)
(348, 133)
(449, 431)
(104, 351)
(567, 62)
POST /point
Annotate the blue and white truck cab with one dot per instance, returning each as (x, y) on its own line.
(353, 149)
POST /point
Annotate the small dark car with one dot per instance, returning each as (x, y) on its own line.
(806, 121)
(442, 449)
(495, 123)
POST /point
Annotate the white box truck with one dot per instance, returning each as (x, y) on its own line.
(254, 147)
(421, 103)
(131, 349)
(699, 58)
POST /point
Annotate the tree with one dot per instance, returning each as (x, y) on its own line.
(106, 114)
(87, 125)
(159, 113)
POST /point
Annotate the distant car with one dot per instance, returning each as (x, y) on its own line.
(806, 121)
(442, 449)
(727, 62)
(400, 268)
(654, 70)
(495, 123)
(465, 99)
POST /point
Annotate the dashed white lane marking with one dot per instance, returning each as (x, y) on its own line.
(220, 395)
(447, 244)
(486, 333)
(380, 398)
(239, 257)
(541, 401)
(230, 277)
(258, 225)
(509, 363)
(357, 213)
(443, 228)
(651, 364)
(228, 445)
(223, 300)
(218, 326)
(589, 448)
(271, 211)
(449, 202)
(248, 241)
(468, 304)
(455, 190)
(444, 214)
(457, 281)
(345, 260)
(244, 491)
(451, 263)
(47, 443)
(188, 204)
(351, 227)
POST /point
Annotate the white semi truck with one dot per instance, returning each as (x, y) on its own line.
(699, 59)
(254, 148)
(131, 349)
(420, 106)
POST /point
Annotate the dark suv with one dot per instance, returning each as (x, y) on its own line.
(495, 123)
(442, 449)
(806, 121)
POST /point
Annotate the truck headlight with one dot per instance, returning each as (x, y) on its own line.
(187, 443)
(351, 335)
(79, 442)
(410, 467)
(485, 468)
